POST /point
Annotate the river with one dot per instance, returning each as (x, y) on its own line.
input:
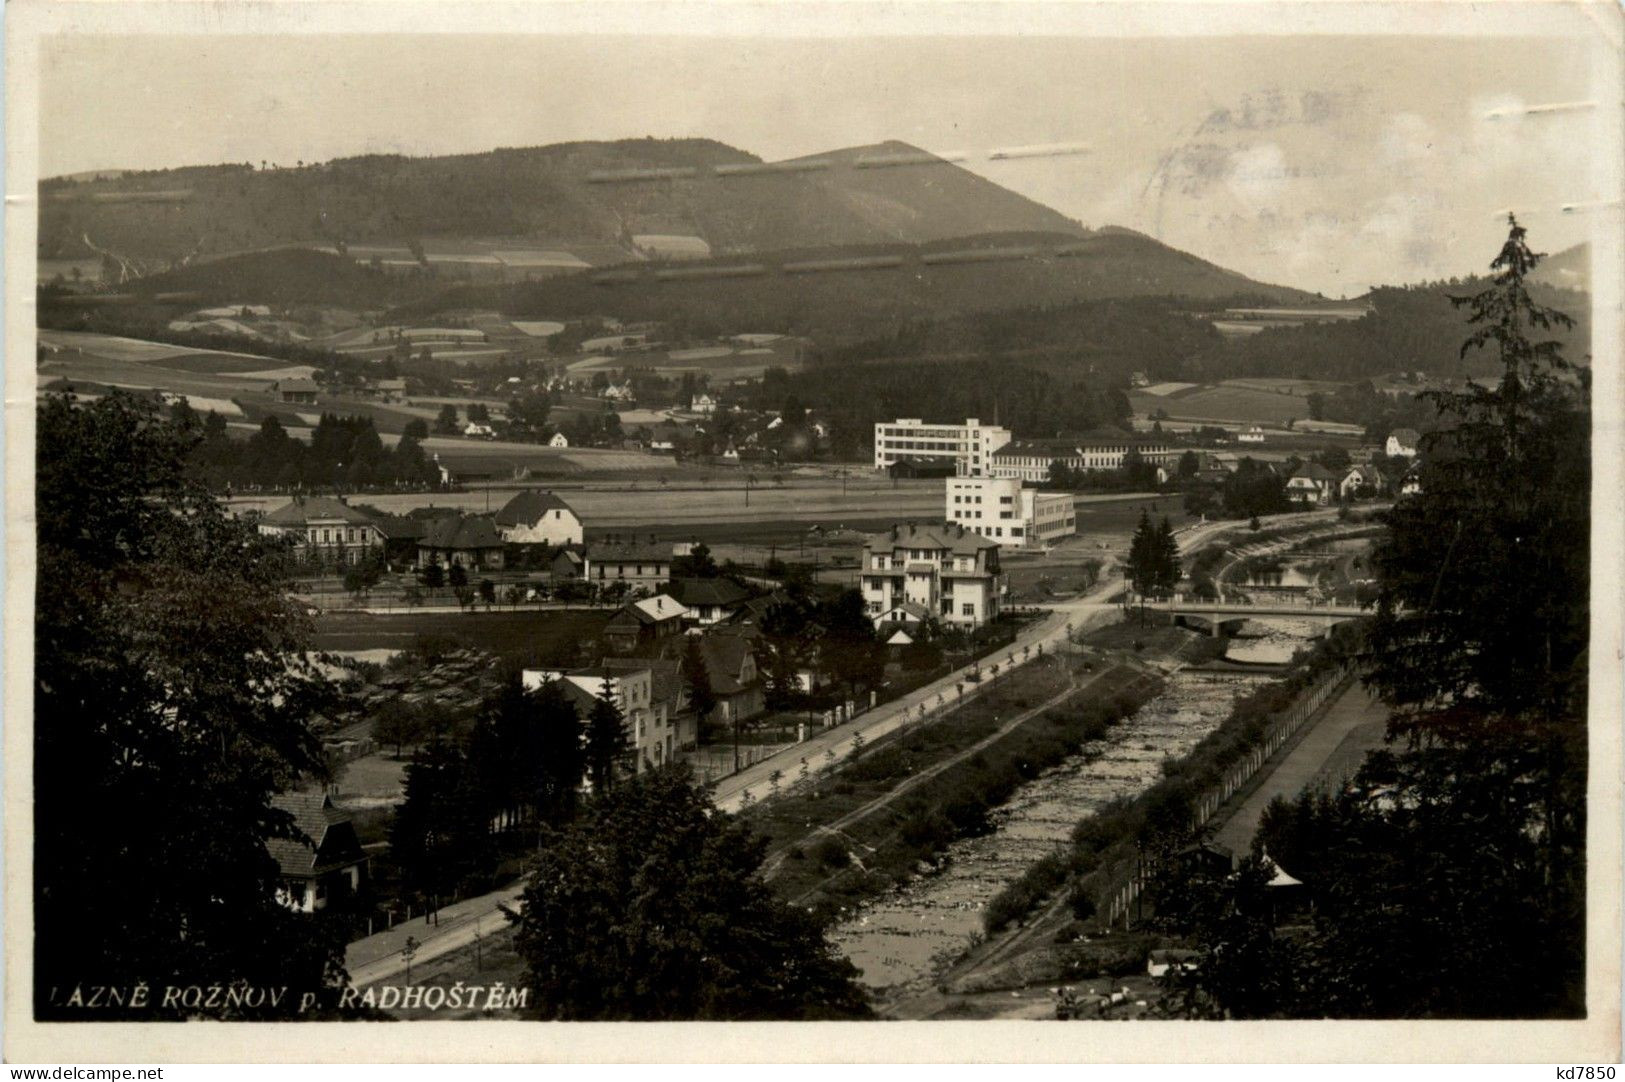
(902, 940)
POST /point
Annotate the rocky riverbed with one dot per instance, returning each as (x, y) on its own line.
(901, 941)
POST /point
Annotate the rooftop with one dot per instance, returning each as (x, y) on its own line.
(652, 552)
(462, 532)
(528, 507)
(717, 591)
(305, 509)
(1314, 471)
(950, 538)
(313, 814)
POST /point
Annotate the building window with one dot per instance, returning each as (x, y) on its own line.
(967, 609)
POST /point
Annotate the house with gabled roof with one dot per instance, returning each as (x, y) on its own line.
(708, 600)
(638, 565)
(1361, 478)
(1311, 483)
(644, 621)
(326, 864)
(1402, 443)
(651, 739)
(296, 391)
(469, 541)
(730, 666)
(538, 518)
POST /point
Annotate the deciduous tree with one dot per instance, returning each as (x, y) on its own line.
(651, 909)
(171, 702)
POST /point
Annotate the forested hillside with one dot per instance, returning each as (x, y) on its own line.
(841, 296)
(590, 194)
(1411, 329)
(1029, 400)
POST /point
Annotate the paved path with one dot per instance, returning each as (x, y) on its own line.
(378, 956)
(1302, 764)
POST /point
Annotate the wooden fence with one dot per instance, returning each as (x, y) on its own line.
(1235, 778)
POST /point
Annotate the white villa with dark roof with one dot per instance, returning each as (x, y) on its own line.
(946, 570)
(538, 518)
(1312, 483)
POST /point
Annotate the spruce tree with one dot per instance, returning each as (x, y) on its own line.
(606, 740)
(1142, 556)
(1168, 567)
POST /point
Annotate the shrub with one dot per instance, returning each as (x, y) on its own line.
(831, 853)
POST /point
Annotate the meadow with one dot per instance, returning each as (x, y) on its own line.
(1232, 402)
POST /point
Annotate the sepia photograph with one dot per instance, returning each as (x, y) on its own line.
(905, 515)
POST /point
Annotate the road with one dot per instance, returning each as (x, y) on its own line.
(1348, 718)
(377, 957)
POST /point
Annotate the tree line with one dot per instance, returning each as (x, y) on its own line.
(344, 453)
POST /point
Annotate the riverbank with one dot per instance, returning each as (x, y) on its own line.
(903, 942)
(877, 821)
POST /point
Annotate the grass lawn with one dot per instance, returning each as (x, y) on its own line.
(373, 780)
(536, 637)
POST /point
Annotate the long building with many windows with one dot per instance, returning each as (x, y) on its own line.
(969, 446)
(325, 526)
(1004, 510)
(1030, 460)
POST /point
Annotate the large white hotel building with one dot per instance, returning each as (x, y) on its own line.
(968, 447)
(1004, 510)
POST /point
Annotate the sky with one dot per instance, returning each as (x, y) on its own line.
(1331, 163)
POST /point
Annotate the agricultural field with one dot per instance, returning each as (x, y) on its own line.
(538, 328)
(1227, 403)
(507, 258)
(679, 507)
(112, 361)
(134, 350)
(1283, 385)
(719, 361)
(93, 375)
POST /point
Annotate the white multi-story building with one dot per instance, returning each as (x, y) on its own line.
(650, 732)
(948, 571)
(1004, 510)
(1030, 460)
(968, 447)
